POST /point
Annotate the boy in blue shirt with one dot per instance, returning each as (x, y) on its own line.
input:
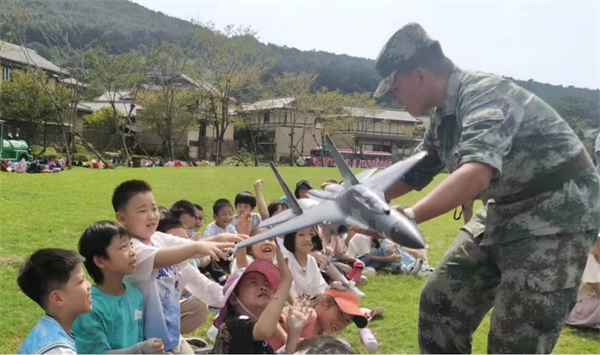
(115, 325)
(54, 279)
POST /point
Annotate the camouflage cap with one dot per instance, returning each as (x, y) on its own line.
(398, 50)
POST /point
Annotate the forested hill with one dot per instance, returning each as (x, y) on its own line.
(124, 26)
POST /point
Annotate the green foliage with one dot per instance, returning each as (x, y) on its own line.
(104, 118)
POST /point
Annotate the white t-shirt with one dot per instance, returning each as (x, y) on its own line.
(213, 229)
(308, 281)
(162, 289)
(359, 245)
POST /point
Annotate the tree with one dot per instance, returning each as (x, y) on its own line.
(170, 98)
(24, 99)
(233, 65)
(116, 76)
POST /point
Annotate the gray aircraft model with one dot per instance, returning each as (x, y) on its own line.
(357, 201)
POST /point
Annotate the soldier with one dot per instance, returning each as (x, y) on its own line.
(506, 146)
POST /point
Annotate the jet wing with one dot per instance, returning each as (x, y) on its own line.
(325, 212)
(362, 176)
(389, 176)
(321, 195)
(280, 218)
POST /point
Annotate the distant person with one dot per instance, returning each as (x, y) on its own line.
(246, 202)
(54, 279)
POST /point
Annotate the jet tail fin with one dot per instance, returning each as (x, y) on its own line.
(292, 202)
(347, 174)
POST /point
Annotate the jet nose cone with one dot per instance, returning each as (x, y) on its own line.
(407, 234)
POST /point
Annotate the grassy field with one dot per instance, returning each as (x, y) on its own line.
(38, 211)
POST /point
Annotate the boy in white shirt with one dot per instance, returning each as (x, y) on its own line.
(161, 271)
(223, 215)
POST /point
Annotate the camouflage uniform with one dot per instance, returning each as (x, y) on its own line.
(526, 257)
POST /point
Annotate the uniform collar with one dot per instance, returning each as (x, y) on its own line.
(452, 86)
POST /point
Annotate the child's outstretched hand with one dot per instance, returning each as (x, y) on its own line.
(158, 346)
(298, 315)
(245, 224)
(215, 250)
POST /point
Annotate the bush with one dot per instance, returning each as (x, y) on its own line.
(50, 152)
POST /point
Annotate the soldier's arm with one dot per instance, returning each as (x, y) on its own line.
(422, 174)
(489, 125)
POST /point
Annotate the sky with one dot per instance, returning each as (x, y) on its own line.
(550, 42)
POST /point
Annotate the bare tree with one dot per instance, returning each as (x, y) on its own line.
(232, 63)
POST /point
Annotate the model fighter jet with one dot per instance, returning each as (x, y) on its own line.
(357, 201)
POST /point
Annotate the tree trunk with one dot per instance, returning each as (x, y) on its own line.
(255, 147)
(292, 145)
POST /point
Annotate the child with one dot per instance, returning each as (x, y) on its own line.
(185, 212)
(334, 310)
(245, 202)
(303, 266)
(377, 253)
(199, 219)
(115, 324)
(223, 215)
(194, 309)
(255, 300)
(161, 261)
(54, 279)
(301, 191)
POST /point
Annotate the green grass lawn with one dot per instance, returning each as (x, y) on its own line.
(39, 211)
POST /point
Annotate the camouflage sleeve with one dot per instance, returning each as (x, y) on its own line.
(423, 173)
(489, 126)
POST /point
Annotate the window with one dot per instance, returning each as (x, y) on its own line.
(266, 118)
(5, 74)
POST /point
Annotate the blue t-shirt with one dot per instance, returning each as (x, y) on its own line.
(115, 322)
(48, 335)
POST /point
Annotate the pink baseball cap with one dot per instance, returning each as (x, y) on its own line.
(265, 267)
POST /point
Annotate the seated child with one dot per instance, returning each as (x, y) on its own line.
(161, 262)
(185, 212)
(308, 281)
(199, 219)
(54, 279)
(334, 310)
(245, 202)
(377, 253)
(163, 211)
(223, 215)
(116, 324)
(323, 344)
(255, 301)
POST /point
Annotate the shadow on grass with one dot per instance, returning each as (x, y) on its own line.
(585, 333)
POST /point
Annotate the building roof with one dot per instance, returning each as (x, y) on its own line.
(382, 114)
(118, 95)
(26, 56)
(73, 82)
(93, 106)
(270, 104)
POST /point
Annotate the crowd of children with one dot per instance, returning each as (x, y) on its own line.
(156, 279)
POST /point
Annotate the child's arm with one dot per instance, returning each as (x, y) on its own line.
(260, 200)
(269, 319)
(384, 259)
(207, 291)
(167, 256)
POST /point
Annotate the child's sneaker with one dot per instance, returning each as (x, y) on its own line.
(363, 280)
(212, 333)
(356, 273)
(415, 268)
(369, 271)
(426, 270)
